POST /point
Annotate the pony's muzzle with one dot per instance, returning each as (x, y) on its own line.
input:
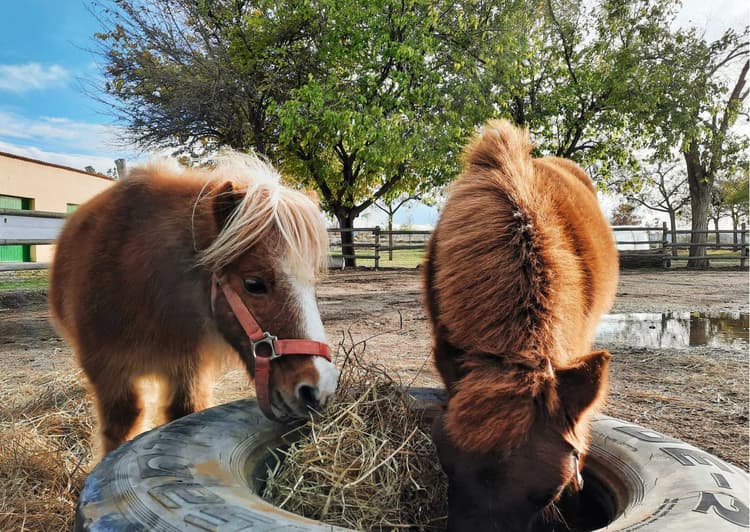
(314, 396)
(308, 395)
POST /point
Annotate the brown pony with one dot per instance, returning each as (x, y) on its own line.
(520, 268)
(158, 280)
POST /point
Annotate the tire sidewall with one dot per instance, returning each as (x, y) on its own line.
(204, 472)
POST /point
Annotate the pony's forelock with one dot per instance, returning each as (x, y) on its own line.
(266, 203)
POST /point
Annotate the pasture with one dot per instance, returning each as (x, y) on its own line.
(697, 394)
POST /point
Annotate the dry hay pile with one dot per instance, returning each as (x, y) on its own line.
(44, 451)
(367, 463)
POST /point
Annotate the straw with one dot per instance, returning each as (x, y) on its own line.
(367, 462)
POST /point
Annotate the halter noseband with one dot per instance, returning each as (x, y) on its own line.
(257, 336)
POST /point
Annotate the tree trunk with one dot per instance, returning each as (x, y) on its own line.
(390, 236)
(673, 230)
(700, 199)
(346, 221)
(717, 236)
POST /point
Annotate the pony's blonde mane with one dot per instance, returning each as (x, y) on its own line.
(267, 203)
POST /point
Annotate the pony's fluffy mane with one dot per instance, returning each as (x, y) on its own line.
(491, 225)
(265, 203)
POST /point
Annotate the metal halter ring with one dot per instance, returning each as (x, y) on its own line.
(268, 339)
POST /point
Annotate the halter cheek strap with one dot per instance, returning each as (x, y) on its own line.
(275, 348)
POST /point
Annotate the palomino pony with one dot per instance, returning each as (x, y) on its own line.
(166, 273)
(520, 268)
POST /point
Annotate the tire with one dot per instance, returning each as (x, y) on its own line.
(204, 471)
(650, 482)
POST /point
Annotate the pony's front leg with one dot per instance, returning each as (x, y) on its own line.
(189, 391)
(119, 409)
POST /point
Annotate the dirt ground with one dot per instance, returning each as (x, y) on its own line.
(699, 395)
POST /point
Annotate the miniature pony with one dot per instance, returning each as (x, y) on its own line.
(167, 273)
(520, 268)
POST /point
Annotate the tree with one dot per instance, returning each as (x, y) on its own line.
(390, 207)
(369, 101)
(624, 214)
(735, 192)
(359, 100)
(575, 74)
(381, 116)
(659, 187)
(698, 109)
(200, 75)
(716, 211)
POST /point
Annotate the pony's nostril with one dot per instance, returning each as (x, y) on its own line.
(308, 395)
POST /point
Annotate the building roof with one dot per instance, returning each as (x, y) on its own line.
(53, 165)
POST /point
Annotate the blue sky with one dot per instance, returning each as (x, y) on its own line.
(46, 62)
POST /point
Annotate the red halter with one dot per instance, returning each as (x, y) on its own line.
(257, 336)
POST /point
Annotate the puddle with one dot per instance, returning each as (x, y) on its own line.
(675, 329)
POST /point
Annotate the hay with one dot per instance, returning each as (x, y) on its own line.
(368, 462)
(45, 425)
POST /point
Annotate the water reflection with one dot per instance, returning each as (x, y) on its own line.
(675, 329)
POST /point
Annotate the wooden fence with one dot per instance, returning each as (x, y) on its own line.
(639, 246)
(651, 247)
(378, 244)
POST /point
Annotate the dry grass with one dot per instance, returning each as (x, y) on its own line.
(45, 425)
(699, 398)
(367, 463)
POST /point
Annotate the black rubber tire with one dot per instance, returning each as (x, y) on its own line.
(203, 472)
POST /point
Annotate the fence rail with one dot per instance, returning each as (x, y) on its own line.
(638, 246)
(653, 246)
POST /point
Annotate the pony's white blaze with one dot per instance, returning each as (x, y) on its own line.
(328, 377)
(311, 322)
(312, 328)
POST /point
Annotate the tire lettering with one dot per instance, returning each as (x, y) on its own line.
(737, 515)
(226, 519)
(693, 457)
(721, 481)
(644, 434)
(166, 441)
(169, 495)
(160, 465)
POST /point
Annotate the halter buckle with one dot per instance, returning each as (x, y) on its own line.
(269, 340)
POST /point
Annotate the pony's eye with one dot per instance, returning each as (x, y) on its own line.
(255, 286)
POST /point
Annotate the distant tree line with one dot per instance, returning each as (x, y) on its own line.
(372, 101)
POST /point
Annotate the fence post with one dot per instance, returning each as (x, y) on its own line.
(390, 239)
(666, 250)
(743, 247)
(376, 232)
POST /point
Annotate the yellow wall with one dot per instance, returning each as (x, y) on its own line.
(50, 187)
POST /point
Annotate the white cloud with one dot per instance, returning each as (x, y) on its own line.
(73, 160)
(64, 141)
(31, 76)
(715, 17)
(63, 134)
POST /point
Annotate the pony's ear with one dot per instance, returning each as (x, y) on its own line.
(584, 386)
(225, 201)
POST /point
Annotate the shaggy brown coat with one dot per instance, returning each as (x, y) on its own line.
(131, 290)
(520, 268)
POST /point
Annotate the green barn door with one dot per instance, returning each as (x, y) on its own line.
(15, 253)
